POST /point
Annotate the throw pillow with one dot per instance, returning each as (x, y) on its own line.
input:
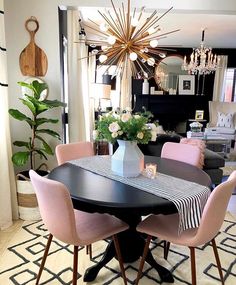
(200, 144)
(225, 120)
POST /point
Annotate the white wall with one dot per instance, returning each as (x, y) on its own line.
(46, 11)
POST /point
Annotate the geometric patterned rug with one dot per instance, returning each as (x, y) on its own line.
(228, 169)
(19, 264)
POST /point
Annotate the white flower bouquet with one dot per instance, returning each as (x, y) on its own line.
(123, 125)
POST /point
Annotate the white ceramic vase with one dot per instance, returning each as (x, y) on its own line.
(128, 160)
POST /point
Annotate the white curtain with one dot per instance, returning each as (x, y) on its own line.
(126, 86)
(78, 96)
(219, 82)
(8, 200)
(91, 80)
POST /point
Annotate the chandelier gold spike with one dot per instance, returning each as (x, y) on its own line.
(127, 37)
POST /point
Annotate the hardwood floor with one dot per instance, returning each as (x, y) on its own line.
(8, 234)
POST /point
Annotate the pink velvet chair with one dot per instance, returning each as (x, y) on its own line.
(166, 227)
(70, 151)
(71, 226)
(182, 152)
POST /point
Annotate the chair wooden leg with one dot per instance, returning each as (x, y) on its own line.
(75, 265)
(44, 258)
(145, 251)
(217, 260)
(193, 265)
(89, 250)
(119, 256)
(166, 248)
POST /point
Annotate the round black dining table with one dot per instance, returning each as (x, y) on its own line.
(92, 192)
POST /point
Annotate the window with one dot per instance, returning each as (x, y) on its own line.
(230, 85)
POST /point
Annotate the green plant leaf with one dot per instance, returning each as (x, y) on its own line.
(39, 151)
(39, 105)
(20, 158)
(40, 121)
(54, 103)
(49, 132)
(35, 86)
(29, 104)
(46, 146)
(21, 143)
(16, 114)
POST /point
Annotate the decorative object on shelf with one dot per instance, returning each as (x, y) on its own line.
(33, 60)
(186, 84)
(152, 90)
(145, 89)
(199, 114)
(202, 62)
(128, 39)
(196, 127)
(129, 129)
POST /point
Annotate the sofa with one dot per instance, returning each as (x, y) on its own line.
(212, 161)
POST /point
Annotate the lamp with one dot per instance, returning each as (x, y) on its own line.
(126, 39)
(202, 61)
(101, 91)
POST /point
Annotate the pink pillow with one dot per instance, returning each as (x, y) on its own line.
(200, 144)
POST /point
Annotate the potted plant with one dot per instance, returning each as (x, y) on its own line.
(35, 146)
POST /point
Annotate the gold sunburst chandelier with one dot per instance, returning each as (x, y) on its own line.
(128, 40)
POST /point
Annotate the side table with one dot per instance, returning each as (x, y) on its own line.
(218, 144)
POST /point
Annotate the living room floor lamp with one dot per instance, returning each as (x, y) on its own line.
(202, 62)
(101, 91)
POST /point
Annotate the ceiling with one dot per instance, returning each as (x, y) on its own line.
(218, 17)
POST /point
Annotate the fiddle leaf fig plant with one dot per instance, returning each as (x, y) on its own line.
(35, 145)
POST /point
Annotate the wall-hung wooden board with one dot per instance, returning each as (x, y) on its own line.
(33, 60)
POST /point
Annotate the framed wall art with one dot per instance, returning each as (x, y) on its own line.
(199, 114)
(186, 84)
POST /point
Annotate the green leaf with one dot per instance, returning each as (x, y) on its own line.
(20, 158)
(41, 153)
(36, 86)
(54, 103)
(21, 143)
(49, 132)
(47, 148)
(29, 104)
(20, 116)
(40, 121)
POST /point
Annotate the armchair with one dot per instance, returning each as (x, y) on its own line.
(223, 125)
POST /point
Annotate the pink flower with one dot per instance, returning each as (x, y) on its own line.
(114, 127)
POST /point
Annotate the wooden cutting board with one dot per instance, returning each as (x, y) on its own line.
(33, 60)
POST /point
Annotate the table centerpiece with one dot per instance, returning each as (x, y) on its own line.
(128, 130)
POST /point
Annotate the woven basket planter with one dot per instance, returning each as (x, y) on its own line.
(27, 200)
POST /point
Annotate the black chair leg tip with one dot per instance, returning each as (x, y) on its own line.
(91, 274)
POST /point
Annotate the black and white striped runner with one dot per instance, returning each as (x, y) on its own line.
(188, 197)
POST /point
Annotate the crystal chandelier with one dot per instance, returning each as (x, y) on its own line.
(126, 39)
(202, 60)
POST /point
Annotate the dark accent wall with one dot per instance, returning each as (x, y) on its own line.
(171, 110)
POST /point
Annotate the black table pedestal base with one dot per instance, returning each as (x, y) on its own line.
(132, 246)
